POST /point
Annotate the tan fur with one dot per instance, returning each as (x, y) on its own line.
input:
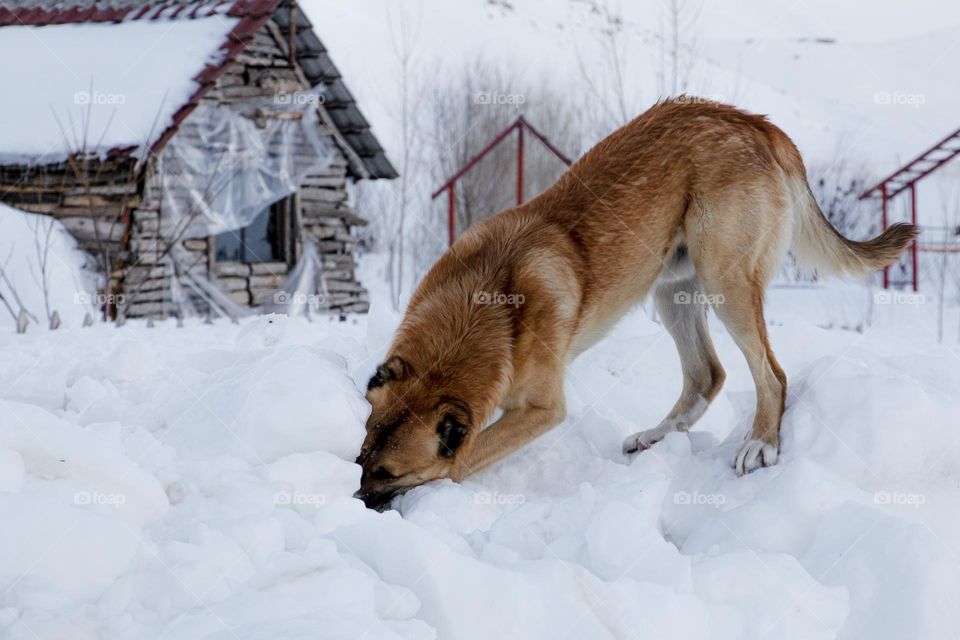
(692, 198)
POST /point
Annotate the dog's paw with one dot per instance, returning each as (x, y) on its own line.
(755, 454)
(642, 440)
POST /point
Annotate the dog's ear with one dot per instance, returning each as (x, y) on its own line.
(452, 434)
(394, 368)
(456, 419)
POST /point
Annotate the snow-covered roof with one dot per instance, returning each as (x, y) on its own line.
(176, 48)
(112, 79)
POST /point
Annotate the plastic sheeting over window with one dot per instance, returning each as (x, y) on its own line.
(305, 290)
(193, 295)
(227, 163)
(223, 167)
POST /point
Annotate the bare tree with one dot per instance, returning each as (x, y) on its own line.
(442, 128)
(470, 111)
(606, 99)
(21, 315)
(109, 188)
(405, 36)
(678, 44)
(42, 227)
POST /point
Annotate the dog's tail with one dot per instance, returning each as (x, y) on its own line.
(818, 245)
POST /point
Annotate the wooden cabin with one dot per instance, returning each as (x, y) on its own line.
(127, 131)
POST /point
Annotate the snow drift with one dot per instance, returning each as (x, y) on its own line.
(37, 253)
(197, 483)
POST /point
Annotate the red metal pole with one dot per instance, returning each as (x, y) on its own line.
(883, 196)
(542, 138)
(451, 206)
(519, 163)
(913, 219)
(477, 158)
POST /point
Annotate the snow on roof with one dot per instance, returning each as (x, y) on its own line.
(104, 86)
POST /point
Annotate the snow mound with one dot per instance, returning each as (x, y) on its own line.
(207, 494)
(24, 252)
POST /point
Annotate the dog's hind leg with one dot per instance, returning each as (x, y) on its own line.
(742, 313)
(736, 280)
(683, 309)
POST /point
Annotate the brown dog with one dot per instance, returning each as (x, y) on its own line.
(694, 200)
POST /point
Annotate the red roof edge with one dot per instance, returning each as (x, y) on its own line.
(39, 17)
(253, 15)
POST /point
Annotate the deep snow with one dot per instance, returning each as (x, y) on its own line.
(196, 483)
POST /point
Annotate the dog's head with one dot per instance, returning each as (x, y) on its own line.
(415, 433)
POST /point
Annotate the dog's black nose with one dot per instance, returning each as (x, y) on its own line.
(376, 500)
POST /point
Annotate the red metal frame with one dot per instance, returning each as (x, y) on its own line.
(519, 125)
(907, 177)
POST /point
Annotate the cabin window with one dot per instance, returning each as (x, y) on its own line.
(266, 239)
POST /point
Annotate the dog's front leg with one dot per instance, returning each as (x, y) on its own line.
(515, 428)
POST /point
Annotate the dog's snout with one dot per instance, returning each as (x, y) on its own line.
(362, 457)
(374, 499)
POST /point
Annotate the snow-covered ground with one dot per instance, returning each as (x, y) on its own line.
(42, 272)
(196, 483)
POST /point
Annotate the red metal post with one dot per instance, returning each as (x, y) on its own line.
(451, 211)
(913, 220)
(451, 184)
(883, 196)
(519, 163)
(477, 158)
(542, 138)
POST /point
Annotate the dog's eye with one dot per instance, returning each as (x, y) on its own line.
(381, 473)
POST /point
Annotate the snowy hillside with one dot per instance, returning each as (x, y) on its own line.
(196, 483)
(822, 70)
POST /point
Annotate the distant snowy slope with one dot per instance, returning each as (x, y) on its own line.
(878, 102)
(822, 70)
